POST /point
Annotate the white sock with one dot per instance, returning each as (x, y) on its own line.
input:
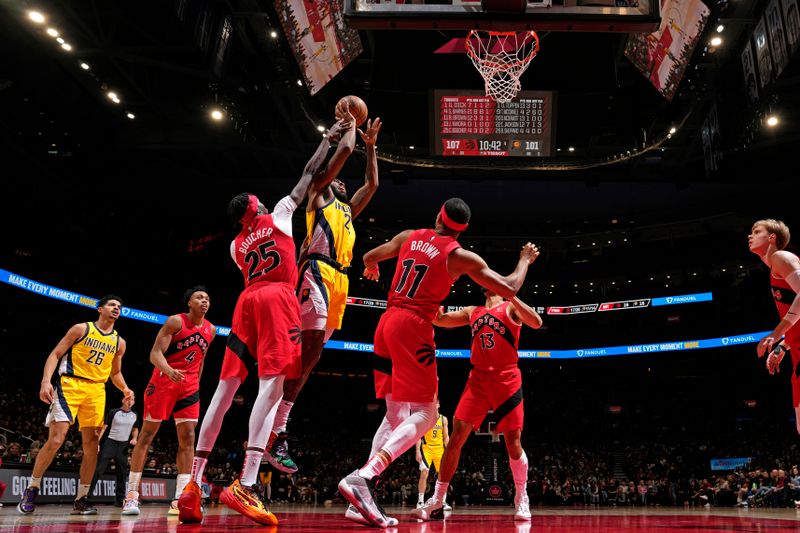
(180, 483)
(36, 482)
(282, 417)
(421, 497)
(440, 492)
(403, 437)
(252, 462)
(212, 421)
(519, 470)
(133, 481)
(83, 490)
(198, 468)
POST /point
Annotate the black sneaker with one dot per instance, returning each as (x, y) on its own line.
(82, 506)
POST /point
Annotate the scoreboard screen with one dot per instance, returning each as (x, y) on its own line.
(469, 123)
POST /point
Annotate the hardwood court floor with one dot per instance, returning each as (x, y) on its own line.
(320, 519)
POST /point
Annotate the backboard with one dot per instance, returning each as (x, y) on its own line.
(539, 15)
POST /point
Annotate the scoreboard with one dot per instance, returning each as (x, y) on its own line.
(469, 123)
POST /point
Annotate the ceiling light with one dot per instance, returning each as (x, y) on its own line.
(216, 114)
(772, 121)
(672, 130)
(131, 116)
(300, 83)
(52, 32)
(273, 34)
(112, 95)
(571, 148)
(411, 147)
(66, 46)
(720, 28)
(85, 66)
(60, 40)
(716, 41)
(321, 127)
(35, 16)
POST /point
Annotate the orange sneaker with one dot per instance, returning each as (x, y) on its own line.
(190, 504)
(244, 501)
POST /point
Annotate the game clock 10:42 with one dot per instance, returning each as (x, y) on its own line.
(468, 123)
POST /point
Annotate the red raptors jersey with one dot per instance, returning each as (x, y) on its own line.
(265, 254)
(421, 280)
(189, 345)
(782, 293)
(495, 337)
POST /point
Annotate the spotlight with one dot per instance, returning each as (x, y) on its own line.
(411, 147)
(720, 28)
(300, 83)
(273, 34)
(321, 127)
(772, 121)
(60, 40)
(716, 41)
(216, 114)
(85, 66)
(112, 95)
(131, 116)
(35, 16)
(672, 130)
(66, 46)
(571, 148)
(52, 32)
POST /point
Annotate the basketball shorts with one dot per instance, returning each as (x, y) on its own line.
(431, 457)
(407, 340)
(78, 399)
(793, 340)
(265, 332)
(163, 397)
(322, 294)
(498, 390)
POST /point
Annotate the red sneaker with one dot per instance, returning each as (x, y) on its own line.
(190, 504)
(244, 501)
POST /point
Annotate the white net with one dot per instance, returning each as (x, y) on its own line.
(501, 58)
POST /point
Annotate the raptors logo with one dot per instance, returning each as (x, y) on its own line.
(426, 355)
(151, 388)
(294, 334)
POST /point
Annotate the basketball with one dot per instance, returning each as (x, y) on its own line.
(357, 108)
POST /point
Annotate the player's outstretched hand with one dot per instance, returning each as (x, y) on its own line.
(342, 125)
(46, 392)
(370, 136)
(774, 360)
(529, 252)
(373, 273)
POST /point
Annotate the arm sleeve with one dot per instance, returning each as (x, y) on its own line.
(282, 214)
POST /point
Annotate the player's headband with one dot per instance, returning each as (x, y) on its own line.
(252, 209)
(450, 223)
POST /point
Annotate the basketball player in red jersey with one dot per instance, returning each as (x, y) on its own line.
(265, 331)
(428, 263)
(495, 383)
(174, 390)
(767, 239)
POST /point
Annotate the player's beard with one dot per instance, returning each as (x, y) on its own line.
(341, 196)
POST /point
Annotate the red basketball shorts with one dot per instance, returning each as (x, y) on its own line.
(406, 339)
(793, 339)
(265, 331)
(163, 397)
(499, 390)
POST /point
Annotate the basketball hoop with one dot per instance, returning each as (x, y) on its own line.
(501, 58)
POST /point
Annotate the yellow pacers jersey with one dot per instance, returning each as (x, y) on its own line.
(434, 438)
(91, 356)
(331, 232)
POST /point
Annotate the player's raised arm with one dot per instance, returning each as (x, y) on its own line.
(787, 266)
(364, 194)
(314, 165)
(172, 326)
(453, 319)
(323, 177)
(383, 252)
(525, 313)
(46, 390)
(465, 262)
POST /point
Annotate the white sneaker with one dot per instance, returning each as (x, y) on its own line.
(131, 504)
(352, 514)
(420, 504)
(446, 507)
(523, 509)
(431, 510)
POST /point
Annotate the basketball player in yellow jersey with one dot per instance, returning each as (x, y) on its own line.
(325, 257)
(86, 357)
(429, 453)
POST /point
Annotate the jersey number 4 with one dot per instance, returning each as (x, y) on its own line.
(419, 274)
(258, 258)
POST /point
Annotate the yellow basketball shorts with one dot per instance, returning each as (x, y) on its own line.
(78, 399)
(431, 456)
(322, 294)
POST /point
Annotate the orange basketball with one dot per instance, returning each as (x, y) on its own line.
(356, 106)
